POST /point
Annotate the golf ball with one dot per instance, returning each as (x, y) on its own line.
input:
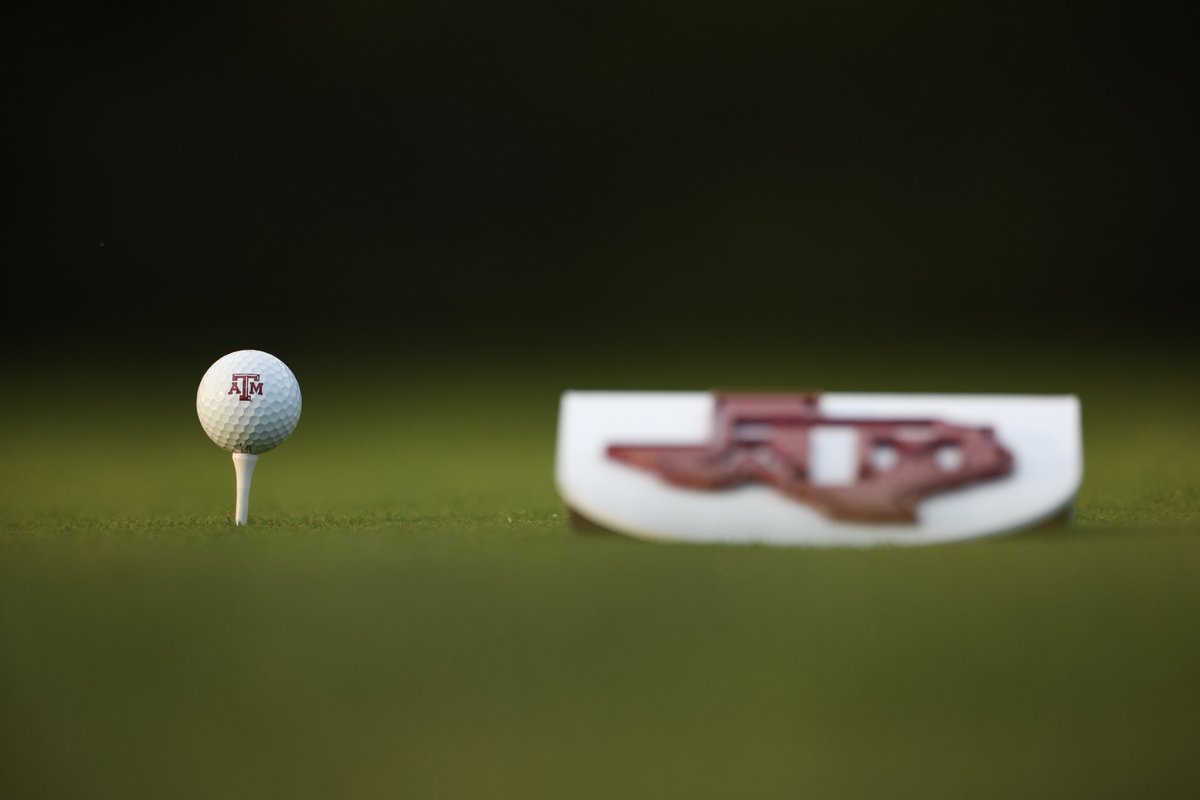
(248, 402)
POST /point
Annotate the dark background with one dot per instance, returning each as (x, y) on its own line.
(467, 177)
(489, 203)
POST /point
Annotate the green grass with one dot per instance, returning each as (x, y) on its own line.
(409, 616)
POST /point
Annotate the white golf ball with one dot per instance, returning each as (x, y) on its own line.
(248, 402)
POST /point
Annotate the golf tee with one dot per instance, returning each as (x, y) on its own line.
(243, 465)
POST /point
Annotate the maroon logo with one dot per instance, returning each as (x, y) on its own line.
(244, 385)
(767, 439)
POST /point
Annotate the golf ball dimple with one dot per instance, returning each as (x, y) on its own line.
(248, 402)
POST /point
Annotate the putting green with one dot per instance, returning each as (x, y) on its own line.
(408, 614)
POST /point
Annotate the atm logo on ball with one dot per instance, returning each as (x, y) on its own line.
(244, 385)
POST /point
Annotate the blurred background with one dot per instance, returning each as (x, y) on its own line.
(442, 214)
(464, 177)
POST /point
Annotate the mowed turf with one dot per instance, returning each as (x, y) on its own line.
(409, 616)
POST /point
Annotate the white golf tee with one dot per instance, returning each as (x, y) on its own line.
(243, 465)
